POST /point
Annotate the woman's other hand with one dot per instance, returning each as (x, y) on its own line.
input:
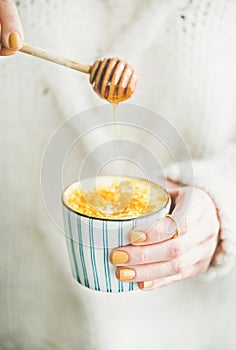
(11, 31)
(154, 259)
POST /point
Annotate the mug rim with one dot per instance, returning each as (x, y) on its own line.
(115, 220)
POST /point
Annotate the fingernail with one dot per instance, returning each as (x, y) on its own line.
(15, 40)
(146, 284)
(137, 237)
(119, 257)
(126, 274)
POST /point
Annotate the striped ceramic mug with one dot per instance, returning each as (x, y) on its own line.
(90, 239)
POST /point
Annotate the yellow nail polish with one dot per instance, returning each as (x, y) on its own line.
(15, 40)
(146, 284)
(119, 257)
(126, 274)
(137, 237)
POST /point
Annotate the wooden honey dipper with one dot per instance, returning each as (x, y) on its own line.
(111, 78)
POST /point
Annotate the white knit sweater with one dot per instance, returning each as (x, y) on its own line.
(185, 53)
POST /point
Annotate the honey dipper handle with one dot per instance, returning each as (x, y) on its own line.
(56, 58)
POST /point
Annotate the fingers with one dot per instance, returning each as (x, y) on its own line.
(157, 270)
(161, 231)
(193, 271)
(163, 251)
(191, 205)
(166, 228)
(11, 32)
(158, 260)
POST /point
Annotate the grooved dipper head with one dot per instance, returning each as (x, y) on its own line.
(113, 79)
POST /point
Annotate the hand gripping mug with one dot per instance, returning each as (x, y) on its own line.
(98, 215)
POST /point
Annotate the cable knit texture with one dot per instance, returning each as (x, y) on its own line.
(185, 53)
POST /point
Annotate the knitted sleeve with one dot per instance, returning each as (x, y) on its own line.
(216, 176)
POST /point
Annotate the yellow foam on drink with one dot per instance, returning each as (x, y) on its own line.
(115, 198)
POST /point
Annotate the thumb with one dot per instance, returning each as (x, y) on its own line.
(11, 27)
(190, 205)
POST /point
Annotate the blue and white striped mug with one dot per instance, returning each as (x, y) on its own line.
(90, 239)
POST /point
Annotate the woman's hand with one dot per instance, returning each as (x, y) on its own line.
(11, 32)
(154, 259)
